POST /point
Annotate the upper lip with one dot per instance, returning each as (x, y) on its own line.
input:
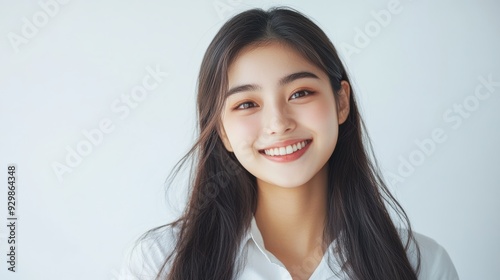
(284, 143)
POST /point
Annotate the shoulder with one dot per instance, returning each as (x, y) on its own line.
(435, 263)
(145, 258)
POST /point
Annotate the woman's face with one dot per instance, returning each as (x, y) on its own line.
(280, 117)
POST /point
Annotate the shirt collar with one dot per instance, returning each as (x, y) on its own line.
(253, 235)
(323, 271)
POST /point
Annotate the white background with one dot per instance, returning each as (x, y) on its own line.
(66, 77)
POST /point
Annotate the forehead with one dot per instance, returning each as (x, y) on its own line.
(268, 61)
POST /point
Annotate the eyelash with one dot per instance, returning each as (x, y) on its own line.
(306, 93)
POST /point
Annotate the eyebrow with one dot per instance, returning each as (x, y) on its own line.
(283, 81)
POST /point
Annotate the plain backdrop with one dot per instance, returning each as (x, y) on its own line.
(426, 75)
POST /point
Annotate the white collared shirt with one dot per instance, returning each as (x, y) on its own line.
(256, 263)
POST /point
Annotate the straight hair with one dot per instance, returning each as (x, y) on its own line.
(223, 194)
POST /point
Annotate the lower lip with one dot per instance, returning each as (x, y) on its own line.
(290, 157)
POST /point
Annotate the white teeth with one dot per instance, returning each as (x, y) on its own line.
(281, 151)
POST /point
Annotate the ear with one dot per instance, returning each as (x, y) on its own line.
(225, 140)
(343, 100)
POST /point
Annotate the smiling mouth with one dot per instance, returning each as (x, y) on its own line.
(286, 150)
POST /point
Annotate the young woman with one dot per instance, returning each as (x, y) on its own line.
(283, 186)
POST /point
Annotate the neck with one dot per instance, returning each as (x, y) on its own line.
(292, 220)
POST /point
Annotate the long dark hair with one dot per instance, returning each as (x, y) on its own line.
(223, 194)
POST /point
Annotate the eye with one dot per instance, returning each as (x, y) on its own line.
(301, 93)
(245, 105)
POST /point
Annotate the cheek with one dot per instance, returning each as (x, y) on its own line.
(242, 132)
(323, 116)
(323, 120)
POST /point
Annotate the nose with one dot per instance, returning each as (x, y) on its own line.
(278, 121)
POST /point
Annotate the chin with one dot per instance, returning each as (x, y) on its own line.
(288, 184)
